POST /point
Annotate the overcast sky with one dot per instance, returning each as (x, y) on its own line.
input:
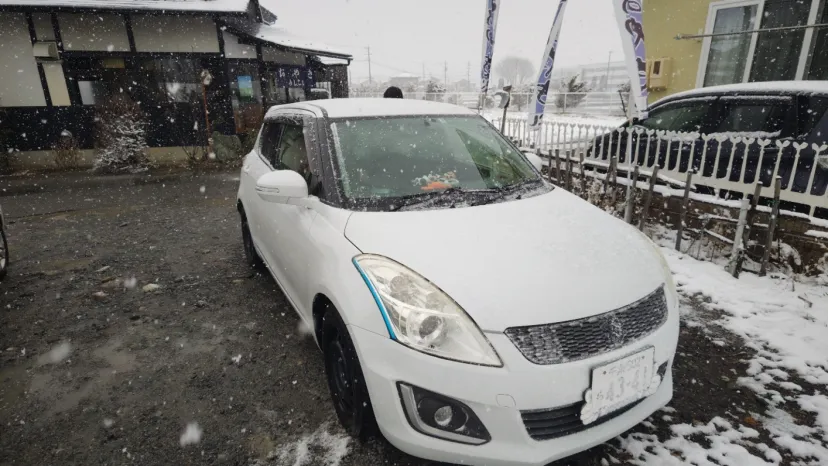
(405, 35)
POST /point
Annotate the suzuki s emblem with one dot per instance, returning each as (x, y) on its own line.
(616, 331)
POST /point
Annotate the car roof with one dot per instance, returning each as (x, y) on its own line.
(374, 107)
(761, 88)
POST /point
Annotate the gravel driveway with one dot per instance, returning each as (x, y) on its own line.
(131, 331)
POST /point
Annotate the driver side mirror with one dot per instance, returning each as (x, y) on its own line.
(280, 185)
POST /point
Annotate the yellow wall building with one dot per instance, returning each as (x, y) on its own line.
(800, 52)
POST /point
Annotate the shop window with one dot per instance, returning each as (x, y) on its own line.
(92, 92)
(246, 96)
(728, 54)
(174, 81)
(777, 52)
(819, 59)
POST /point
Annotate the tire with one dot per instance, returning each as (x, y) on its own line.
(250, 254)
(349, 393)
(4, 255)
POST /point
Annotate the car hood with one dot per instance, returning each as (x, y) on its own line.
(544, 259)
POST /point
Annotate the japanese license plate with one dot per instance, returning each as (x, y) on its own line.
(618, 384)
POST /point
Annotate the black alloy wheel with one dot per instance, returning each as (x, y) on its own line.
(345, 379)
(250, 254)
(4, 254)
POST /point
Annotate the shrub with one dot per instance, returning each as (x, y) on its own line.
(121, 135)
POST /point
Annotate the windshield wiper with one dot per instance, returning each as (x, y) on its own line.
(503, 191)
(433, 196)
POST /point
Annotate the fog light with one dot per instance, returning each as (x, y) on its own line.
(443, 416)
(439, 416)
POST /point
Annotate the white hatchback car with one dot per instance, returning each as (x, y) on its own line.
(471, 310)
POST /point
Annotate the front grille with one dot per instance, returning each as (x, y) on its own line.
(547, 424)
(583, 338)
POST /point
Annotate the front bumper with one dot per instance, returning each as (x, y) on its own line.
(497, 395)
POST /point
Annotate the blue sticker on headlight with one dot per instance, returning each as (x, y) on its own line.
(374, 293)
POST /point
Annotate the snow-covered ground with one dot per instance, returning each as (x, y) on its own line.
(785, 323)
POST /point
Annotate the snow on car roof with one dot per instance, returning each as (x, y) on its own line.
(770, 87)
(377, 107)
(220, 6)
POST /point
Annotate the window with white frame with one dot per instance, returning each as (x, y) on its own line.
(783, 49)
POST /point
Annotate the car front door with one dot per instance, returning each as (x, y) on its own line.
(287, 242)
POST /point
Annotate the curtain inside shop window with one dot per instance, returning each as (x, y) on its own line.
(728, 54)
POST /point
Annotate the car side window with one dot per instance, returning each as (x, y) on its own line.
(753, 116)
(270, 140)
(813, 119)
(683, 118)
(293, 152)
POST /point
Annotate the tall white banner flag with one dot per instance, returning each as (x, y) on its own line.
(631, 27)
(545, 75)
(492, 12)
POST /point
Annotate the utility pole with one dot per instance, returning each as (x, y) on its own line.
(609, 59)
(370, 78)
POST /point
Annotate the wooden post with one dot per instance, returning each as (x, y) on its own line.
(647, 200)
(549, 168)
(583, 177)
(558, 167)
(683, 212)
(777, 187)
(568, 171)
(630, 201)
(737, 251)
(614, 173)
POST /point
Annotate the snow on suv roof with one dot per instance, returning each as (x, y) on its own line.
(377, 107)
(770, 87)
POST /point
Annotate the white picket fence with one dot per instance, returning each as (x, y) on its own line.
(723, 163)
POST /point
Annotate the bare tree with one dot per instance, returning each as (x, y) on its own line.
(573, 91)
(515, 70)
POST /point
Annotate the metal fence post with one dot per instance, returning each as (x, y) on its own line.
(628, 209)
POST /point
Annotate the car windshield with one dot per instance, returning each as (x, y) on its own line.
(390, 158)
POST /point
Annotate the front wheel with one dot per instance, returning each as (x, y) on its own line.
(345, 379)
(250, 254)
(4, 254)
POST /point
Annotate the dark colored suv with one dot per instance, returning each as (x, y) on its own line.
(796, 111)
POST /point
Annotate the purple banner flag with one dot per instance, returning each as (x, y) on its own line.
(492, 12)
(545, 75)
(631, 27)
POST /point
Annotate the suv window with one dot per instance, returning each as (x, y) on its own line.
(678, 117)
(269, 145)
(293, 153)
(814, 111)
(767, 116)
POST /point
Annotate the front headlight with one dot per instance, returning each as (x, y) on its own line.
(420, 316)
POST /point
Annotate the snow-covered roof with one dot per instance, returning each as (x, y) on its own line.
(281, 37)
(376, 107)
(213, 6)
(771, 87)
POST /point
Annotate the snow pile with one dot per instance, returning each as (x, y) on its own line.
(320, 447)
(192, 434)
(727, 446)
(778, 318)
(785, 324)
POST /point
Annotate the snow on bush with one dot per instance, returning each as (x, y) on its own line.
(121, 135)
